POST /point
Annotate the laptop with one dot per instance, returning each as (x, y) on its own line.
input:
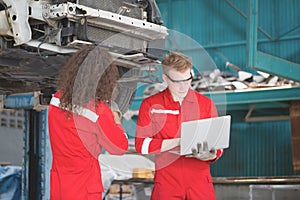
(216, 131)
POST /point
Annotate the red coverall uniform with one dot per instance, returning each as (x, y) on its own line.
(76, 141)
(176, 177)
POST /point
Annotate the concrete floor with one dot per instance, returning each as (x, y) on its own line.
(257, 192)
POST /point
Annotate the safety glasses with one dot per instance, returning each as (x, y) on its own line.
(178, 81)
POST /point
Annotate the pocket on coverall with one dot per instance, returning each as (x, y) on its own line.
(94, 192)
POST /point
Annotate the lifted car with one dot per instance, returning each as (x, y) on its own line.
(38, 36)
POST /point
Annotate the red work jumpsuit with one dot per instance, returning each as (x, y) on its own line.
(176, 177)
(76, 141)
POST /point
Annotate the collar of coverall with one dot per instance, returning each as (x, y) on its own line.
(190, 97)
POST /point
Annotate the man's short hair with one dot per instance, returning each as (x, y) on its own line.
(177, 61)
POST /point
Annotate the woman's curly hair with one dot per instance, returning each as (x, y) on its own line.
(88, 75)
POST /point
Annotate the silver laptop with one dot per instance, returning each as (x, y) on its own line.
(216, 131)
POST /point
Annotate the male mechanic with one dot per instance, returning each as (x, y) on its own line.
(158, 132)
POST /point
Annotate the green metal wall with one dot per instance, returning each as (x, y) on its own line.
(257, 149)
(220, 26)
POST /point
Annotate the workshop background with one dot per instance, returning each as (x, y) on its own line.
(263, 160)
(262, 148)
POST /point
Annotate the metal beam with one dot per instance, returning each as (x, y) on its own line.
(263, 105)
(263, 61)
(273, 97)
(37, 156)
(295, 118)
(277, 66)
(16, 101)
(245, 16)
(252, 32)
(23, 101)
(249, 118)
(265, 95)
(242, 43)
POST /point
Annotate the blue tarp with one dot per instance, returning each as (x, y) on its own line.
(10, 182)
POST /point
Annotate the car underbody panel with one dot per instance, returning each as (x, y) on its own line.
(38, 37)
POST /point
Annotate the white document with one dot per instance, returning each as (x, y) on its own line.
(216, 131)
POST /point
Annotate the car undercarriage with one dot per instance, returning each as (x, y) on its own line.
(38, 37)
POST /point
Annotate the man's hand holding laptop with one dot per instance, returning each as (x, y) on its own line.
(203, 153)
